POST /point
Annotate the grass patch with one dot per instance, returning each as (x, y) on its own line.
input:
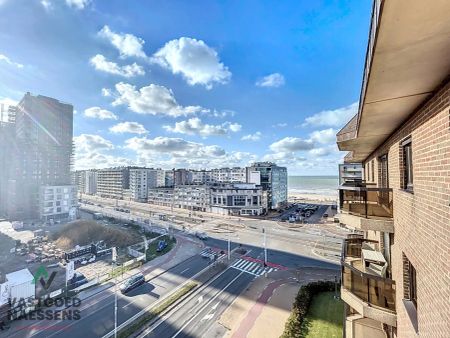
(324, 317)
(151, 251)
(156, 311)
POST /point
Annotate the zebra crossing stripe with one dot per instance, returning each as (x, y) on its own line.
(245, 265)
(240, 263)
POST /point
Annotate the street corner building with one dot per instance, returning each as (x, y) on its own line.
(396, 265)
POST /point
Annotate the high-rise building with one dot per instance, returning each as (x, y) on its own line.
(42, 153)
(273, 180)
(396, 272)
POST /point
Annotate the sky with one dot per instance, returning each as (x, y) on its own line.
(193, 84)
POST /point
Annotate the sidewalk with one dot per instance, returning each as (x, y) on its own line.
(263, 309)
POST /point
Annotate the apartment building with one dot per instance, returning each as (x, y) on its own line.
(162, 196)
(273, 180)
(40, 153)
(396, 270)
(111, 182)
(58, 202)
(236, 199)
(139, 183)
(229, 175)
(350, 173)
(192, 197)
(91, 182)
(201, 176)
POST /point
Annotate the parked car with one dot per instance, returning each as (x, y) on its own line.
(132, 283)
(161, 246)
(325, 215)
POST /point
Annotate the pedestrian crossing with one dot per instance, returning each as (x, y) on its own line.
(253, 268)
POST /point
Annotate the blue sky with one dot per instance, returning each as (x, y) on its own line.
(192, 83)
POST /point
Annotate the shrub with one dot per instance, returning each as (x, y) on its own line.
(293, 328)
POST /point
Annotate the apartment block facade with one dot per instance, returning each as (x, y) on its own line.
(396, 267)
(40, 153)
(273, 180)
(112, 182)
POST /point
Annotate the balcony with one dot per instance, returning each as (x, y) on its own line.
(365, 287)
(367, 207)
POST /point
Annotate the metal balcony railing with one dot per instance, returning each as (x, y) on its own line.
(375, 290)
(366, 201)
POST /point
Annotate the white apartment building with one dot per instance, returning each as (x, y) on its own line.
(229, 175)
(236, 199)
(57, 202)
(91, 182)
(140, 179)
(192, 197)
(201, 176)
(112, 182)
(160, 196)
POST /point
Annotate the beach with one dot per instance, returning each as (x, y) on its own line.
(312, 188)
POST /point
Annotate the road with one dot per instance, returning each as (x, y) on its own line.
(97, 313)
(286, 249)
(195, 316)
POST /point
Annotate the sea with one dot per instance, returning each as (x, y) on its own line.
(318, 185)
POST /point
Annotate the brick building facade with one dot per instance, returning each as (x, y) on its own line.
(396, 267)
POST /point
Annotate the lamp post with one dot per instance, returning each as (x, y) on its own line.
(265, 246)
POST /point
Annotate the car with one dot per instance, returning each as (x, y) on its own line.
(325, 215)
(161, 246)
(206, 252)
(132, 283)
(77, 280)
(201, 235)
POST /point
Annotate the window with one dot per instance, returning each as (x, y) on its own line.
(373, 170)
(410, 281)
(407, 164)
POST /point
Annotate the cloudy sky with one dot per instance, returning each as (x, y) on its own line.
(192, 83)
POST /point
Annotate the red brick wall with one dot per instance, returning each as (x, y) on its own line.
(422, 218)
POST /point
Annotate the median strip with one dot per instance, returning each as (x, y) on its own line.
(157, 310)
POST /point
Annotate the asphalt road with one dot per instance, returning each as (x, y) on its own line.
(195, 316)
(97, 312)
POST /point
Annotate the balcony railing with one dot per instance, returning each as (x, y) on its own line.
(368, 202)
(375, 290)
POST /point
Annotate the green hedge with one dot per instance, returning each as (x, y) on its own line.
(293, 328)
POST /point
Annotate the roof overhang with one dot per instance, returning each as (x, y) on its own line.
(407, 59)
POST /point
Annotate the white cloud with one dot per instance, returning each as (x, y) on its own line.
(291, 144)
(78, 4)
(91, 143)
(195, 126)
(128, 45)
(10, 62)
(128, 127)
(8, 102)
(332, 118)
(152, 99)
(106, 92)
(252, 137)
(176, 152)
(321, 151)
(95, 160)
(279, 125)
(99, 113)
(272, 80)
(323, 136)
(47, 4)
(102, 64)
(194, 60)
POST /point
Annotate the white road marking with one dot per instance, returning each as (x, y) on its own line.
(209, 302)
(185, 270)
